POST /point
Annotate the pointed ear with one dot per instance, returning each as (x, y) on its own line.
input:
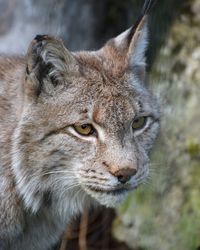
(134, 43)
(48, 63)
(128, 49)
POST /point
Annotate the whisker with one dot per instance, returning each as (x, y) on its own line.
(86, 180)
(86, 177)
(148, 184)
(69, 187)
(96, 183)
(51, 172)
(78, 192)
(153, 174)
(68, 178)
(58, 172)
(72, 177)
(57, 183)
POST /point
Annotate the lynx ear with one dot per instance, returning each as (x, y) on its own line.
(134, 42)
(128, 49)
(48, 62)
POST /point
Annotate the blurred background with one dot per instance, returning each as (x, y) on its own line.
(165, 213)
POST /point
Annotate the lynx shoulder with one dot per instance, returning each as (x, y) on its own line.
(76, 130)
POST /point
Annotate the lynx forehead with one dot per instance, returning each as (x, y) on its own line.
(76, 130)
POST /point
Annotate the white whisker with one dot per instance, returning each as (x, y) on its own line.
(51, 172)
(78, 192)
(68, 187)
(60, 172)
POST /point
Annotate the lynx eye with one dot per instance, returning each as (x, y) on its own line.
(85, 129)
(139, 123)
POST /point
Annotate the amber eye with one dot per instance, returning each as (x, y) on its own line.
(85, 129)
(139, 123)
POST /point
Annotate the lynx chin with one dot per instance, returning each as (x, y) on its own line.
(76, 131)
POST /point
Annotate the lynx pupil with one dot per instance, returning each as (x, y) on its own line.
(84, 129)
(139, 123)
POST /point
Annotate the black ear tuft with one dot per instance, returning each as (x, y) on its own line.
(34, 58)
(129, 48)
(40, 38)
(48, 63)
(38, 44)
(148, 4)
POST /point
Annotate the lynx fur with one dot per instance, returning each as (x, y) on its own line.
(49, 172)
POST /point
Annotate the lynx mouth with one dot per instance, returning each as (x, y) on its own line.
(108, 197)
(116, 191)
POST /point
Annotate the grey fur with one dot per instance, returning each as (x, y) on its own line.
(49, 172)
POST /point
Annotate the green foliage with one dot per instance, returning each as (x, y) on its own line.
(193, 149)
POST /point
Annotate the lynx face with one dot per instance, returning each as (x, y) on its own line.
(87, 124)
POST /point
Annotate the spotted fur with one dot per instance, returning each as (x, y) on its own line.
(48, 172)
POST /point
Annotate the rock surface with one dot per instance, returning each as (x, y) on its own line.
(165, 214)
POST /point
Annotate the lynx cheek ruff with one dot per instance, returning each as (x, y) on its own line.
(76, 130)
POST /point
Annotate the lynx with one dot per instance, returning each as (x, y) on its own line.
(76, 131)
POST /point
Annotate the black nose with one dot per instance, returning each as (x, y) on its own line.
(124, 175)
(123, 179)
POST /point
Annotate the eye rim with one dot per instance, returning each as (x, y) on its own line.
(143, 124)
(90, 133)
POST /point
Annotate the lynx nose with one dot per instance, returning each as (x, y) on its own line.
(125, 175)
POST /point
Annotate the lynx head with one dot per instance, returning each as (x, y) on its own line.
(88, 121)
